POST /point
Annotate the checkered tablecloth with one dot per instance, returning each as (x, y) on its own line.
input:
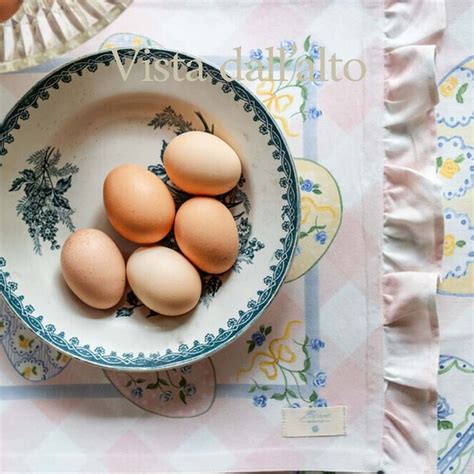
(321, 343)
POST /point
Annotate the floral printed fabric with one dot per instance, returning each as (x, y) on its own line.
(455, 129)
(455, 167)
(455, 407)
(321, 342)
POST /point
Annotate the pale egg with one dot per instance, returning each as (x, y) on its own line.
(138, 204)
(93, 268)
(164, 280)
(201, 163)
(206, 233)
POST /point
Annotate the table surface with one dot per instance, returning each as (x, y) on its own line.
(455, 121)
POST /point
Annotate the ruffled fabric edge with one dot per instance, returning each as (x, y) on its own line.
(413, 236)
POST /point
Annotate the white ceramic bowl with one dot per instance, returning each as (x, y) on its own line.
(57, 145)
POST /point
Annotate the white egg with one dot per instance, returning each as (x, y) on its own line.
(164, 280)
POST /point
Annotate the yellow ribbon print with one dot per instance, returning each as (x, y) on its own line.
(276, 104)
(276, 352)
(307, 204)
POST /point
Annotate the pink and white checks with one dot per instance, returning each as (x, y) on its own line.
(354, 327)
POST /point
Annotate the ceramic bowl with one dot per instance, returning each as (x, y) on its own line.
(57, 145)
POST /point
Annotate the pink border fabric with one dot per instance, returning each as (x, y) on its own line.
(413, 235)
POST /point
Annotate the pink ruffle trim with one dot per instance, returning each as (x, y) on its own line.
(413, 236)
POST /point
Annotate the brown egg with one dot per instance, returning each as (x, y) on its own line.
(94, 268)
(164, 280)
(201, 163)
(8, 8)
(138, 204)
(206, 233)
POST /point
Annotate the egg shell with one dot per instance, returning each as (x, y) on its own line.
(201, 163)
(8, 8)
(94, 268)
(138, 204)
(206, 233)
(164, 280)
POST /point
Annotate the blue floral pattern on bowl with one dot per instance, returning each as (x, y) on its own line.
(44, 205)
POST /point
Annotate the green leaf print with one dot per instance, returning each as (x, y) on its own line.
(445, 425)
(313, 397)
(460, 93)
(307, 43)
(278, 396)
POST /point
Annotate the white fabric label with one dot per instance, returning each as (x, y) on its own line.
(327, 421)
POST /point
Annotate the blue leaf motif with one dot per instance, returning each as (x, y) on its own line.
(44, 205)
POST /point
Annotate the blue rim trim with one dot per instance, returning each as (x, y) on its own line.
(272, 282)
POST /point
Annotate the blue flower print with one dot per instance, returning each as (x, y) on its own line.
(321, 237)
(288, 46)
(137, 392)
(189, 389)
(256, 54)
(167, 396)
(295, 405)
(258, 338)
(320, 403)
(316, 344)
(260, 401)
(314, 51)
(317, 78)
(444, 410)
(307, 185)
(314, 113)
(320, 379)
